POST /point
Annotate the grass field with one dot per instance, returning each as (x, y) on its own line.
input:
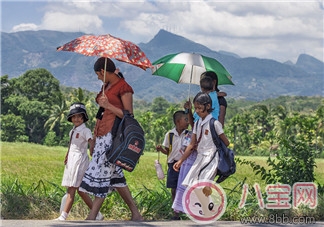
(31, 163)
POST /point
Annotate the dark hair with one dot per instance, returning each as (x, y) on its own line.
(213, 75)
(177, 115)
(100, 64)
(206, 83)
(110, 66)
(203, 99)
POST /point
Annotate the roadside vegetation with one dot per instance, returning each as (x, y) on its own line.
(31, 187)
(276, 140)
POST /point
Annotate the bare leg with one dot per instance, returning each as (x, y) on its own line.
(69, 199)
(96, 204)
(86, 198)
(127, 197)
(173, 194)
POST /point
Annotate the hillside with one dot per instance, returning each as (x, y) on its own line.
(254, 78)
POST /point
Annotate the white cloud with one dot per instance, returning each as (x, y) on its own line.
(24, 27)
(59, 21)
(277, 30)
(280, 30)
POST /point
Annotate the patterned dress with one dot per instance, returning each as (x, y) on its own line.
(102, 176)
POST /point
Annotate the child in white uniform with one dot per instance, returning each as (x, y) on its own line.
(178, 142)
(205, 165)
(76, 160)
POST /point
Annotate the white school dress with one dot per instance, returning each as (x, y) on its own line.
(205, 165)
(78, 159)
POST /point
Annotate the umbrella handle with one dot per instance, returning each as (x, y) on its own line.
(104, 82)
(190, 82)
(189, 91)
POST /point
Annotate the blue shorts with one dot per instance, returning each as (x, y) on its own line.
(172, 179)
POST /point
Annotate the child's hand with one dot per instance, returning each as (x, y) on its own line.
(177, 165)
(91, 151)
(159, 148)
(187, 105)
(221, 94)
(91, 146)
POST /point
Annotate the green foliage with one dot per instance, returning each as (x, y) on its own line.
(6, 90)
(29, 96)
(34, 202)
(257, 130)
(253, 128)
(155, 204)
(294, 163)
(27, 183)
(50, 139)
(12, 128)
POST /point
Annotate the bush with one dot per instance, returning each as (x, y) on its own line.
(50, 139)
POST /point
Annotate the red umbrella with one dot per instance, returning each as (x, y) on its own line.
(110, 47)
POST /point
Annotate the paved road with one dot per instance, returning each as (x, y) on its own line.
(52, 223)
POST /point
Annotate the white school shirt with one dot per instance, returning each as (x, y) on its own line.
(79, 142)
(177, 142)
(206, 144)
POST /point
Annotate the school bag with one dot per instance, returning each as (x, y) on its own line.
(226, 163)
(128, 142)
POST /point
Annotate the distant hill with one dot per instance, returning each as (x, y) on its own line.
(254, 78)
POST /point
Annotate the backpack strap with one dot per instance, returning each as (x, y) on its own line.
(216, 142)
(171, 134)
(213, 132)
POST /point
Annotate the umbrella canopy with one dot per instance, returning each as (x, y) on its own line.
(110, 47)
(187, 68)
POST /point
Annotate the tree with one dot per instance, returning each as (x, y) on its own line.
(30, 97)
(38, 84)
(6, 90)
(12, 128)
(159, 105)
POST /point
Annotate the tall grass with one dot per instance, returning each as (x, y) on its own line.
(31, 177)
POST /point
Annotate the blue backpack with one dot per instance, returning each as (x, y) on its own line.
(226, 163)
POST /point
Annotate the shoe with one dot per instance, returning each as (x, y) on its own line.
(175, 218)
(99, 217)
(60, 219)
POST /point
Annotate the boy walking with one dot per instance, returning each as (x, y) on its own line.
(173, 146)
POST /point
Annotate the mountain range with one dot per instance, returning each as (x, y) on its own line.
(254, 78)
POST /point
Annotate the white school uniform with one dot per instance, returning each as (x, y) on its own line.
(205, 165)
(78, 159)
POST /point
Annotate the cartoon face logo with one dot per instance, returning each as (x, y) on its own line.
(204, 201)
(136, 143)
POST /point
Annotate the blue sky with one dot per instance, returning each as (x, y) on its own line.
(264, 29)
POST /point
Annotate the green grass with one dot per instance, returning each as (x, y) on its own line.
(30, 171)
(31, 162)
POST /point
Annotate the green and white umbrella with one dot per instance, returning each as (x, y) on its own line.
(187, 68)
